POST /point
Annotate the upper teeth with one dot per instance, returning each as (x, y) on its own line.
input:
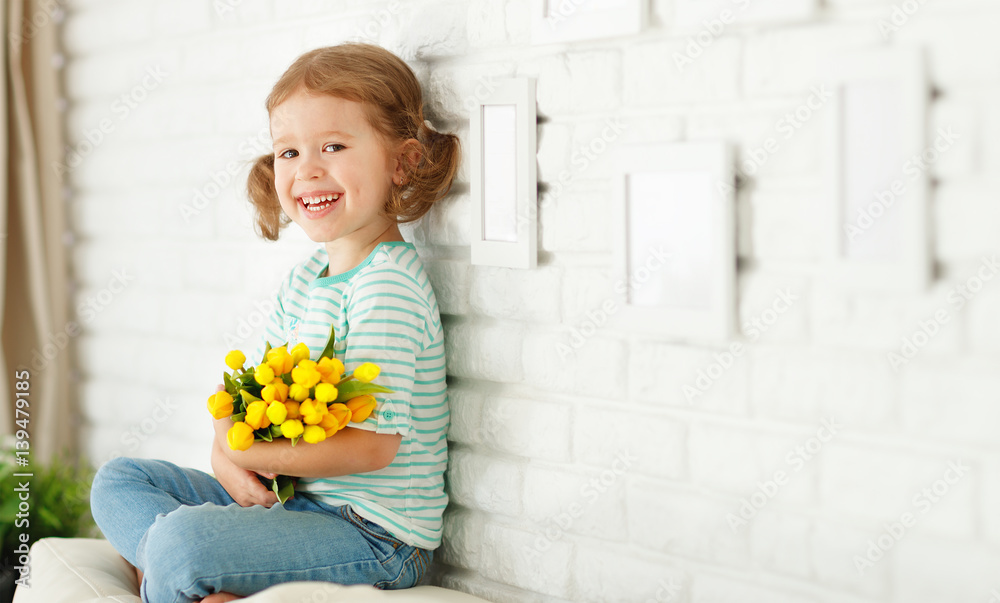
(321, 198)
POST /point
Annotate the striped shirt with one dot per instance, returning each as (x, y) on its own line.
(383, 311)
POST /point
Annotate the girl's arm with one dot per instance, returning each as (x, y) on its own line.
(349, 451)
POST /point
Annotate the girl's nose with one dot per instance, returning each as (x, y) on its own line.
(309, 168)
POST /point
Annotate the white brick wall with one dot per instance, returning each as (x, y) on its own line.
(590, 476)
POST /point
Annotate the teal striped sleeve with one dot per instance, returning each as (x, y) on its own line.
(387, 321)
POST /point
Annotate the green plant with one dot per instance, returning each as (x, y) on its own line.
(57, 498)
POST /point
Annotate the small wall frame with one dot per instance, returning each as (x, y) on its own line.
(554, 21)
(674, 254)
(876, 212)
(504, 177)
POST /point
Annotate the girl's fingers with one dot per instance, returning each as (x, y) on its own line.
(220, 387)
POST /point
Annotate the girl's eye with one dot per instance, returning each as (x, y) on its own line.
(288, 154)
(333, 147)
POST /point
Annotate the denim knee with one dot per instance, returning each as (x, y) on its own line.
(103, 485)
(179, 553)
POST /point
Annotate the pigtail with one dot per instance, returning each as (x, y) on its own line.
(264, 198)
(430, 179)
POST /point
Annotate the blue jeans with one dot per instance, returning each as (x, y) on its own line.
(191, 539)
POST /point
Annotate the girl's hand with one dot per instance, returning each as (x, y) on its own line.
(241, 484)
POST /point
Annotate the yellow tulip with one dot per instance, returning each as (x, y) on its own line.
(361, 407)
(305, 374)
(326, 393)
(292, 407)
(291, 428)
(277, 390)
(312, 411)
(220, 404)
(277, 412)
(299, 353)
(279, 360)
(330, 370)
(264, 374)
(342, 413)
(314, 434)
(297, 392)
(330, 424)
(257, 415)
(239, 436)
(366, 372)
(235, 359)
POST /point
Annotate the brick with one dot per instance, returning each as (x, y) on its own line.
(575, 82)
(466, 407)
(454, 90)
(686, 524)
(416, 33)
(739, 461)
(773, 307)
(485, 483)
(512, 559)
(948, 62)
(531, 428)
(790, 60)
(779, 542)
(451, 282)
(834, 547)
(709, 16)
(951, 400)
(484, 352)
(549, 362)
(182, 18)
(447, 223)
(652, 77)
(697, 378)
(585, 290)
(574, 217)
(561, 502)
(804, 386)
(964, 214)
(706, 587)
(514, 294)
(102, 27)
(842, 317)
(881, 486)
(930, 570)
(781, 225)
(486, 24)
(463, 538)
(654, 445)
(615, 574)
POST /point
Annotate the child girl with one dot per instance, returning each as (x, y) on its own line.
(352, 158)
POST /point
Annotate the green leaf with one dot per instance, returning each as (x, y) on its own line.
(248, 397)
(328, 350)
(284, 487)
(275, 431)
(237, 417)
(228, 382)
(263, 434)
(295, 440)
(267, 348)
(354, 388)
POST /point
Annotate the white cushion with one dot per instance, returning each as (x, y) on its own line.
(89, 570)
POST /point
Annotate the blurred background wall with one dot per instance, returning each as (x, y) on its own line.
(587, 476)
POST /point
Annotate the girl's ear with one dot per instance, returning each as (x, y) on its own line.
(406, 160)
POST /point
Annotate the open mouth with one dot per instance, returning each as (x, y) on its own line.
(318, 202)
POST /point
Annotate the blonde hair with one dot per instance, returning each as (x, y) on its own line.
(392, 101)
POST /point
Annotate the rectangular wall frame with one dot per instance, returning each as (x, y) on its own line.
(876, 211)
(504, 177)
(674, 268)
(554, 21)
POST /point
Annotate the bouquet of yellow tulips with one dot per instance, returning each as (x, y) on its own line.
(290, 396)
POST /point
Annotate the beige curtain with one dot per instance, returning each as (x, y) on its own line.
(35, 304)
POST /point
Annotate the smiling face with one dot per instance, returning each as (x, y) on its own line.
(332, 172)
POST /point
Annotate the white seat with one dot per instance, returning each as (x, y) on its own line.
(89, 570)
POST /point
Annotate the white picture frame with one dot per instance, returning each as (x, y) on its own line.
(557, 21)
(876, 215)
(678, 200)
(504, 176)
